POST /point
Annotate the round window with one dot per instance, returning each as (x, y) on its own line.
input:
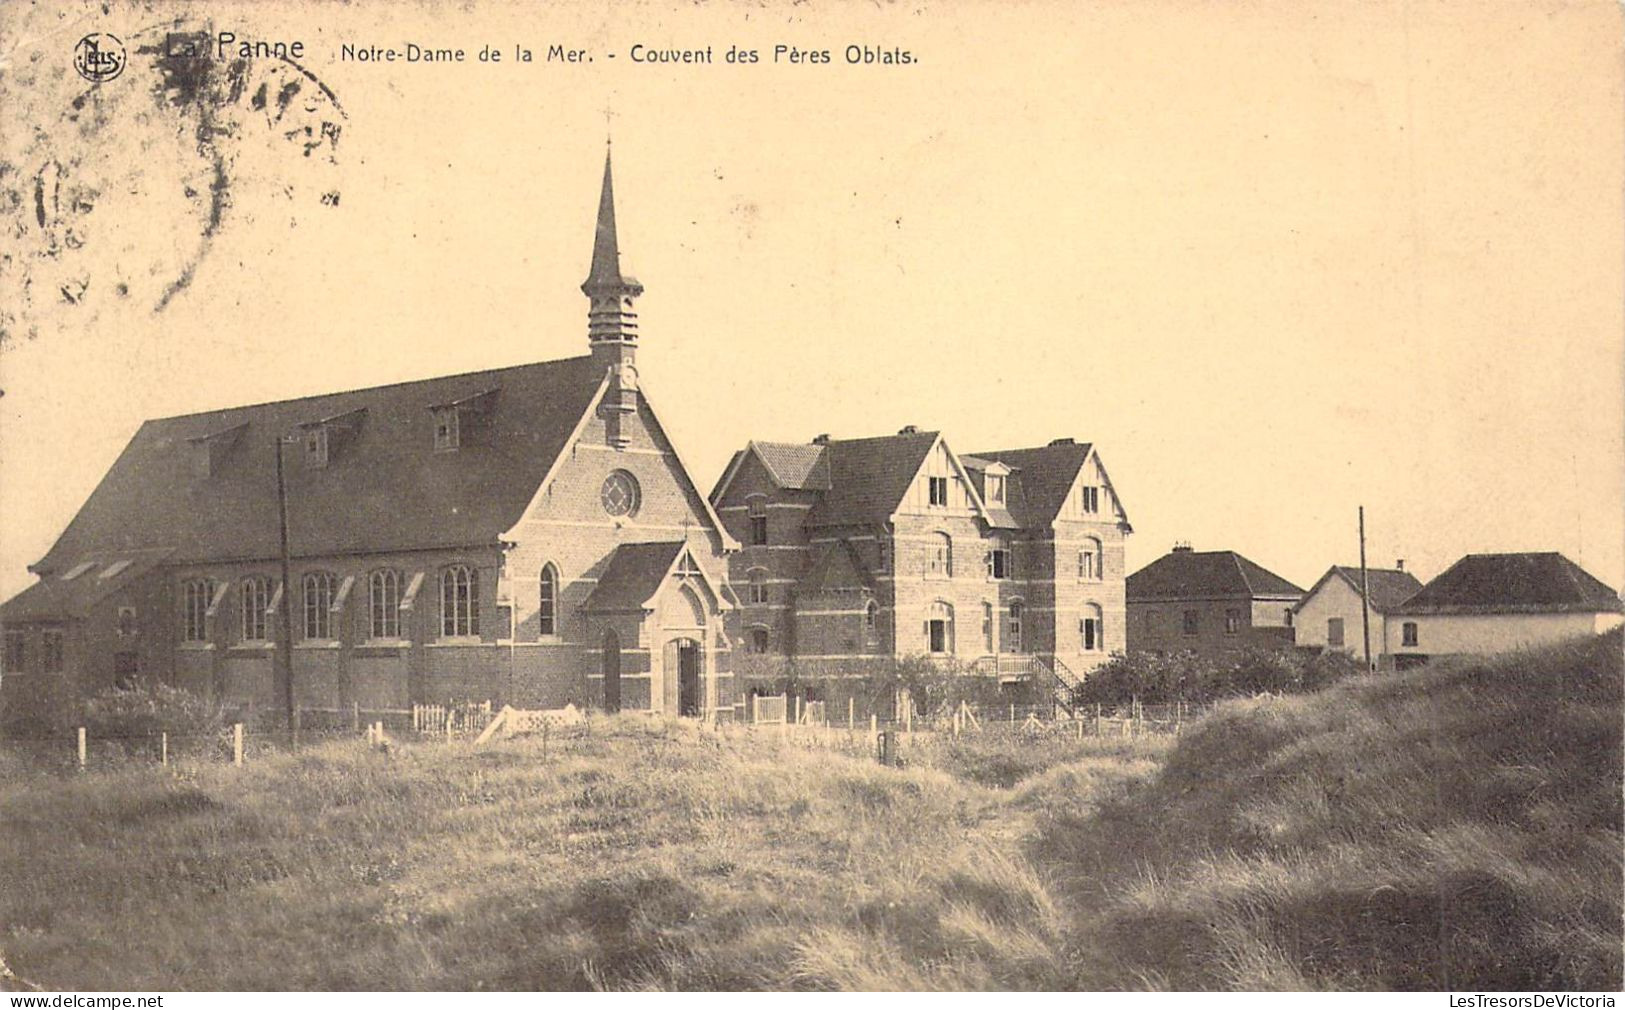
(620, 494)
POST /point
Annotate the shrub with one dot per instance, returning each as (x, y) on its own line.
(151, 708)
(1186, 676)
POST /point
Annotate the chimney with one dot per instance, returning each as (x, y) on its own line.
(908, 429)
(1063, 441)
(1182, 547)
(1400, 564)
(821, 439)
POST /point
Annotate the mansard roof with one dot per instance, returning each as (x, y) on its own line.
(1202, 575)
(1387, 587)
(387, 490)
(1544, 582)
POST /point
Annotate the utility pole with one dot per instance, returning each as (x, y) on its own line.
(285, 645)
(1365, 595)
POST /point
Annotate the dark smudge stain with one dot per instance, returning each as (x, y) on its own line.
(285, 96)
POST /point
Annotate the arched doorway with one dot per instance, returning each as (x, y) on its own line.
(612, 672)
(684, 663)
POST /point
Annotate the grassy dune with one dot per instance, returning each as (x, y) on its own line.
(1456, 826)
(1446, 828)
(643, 856)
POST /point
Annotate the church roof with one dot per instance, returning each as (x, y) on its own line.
(384, 486)
(1387, 587)
(1513, 584)
(74, 591)
(1202, 575)
(632, 577)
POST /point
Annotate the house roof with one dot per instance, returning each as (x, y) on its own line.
(838, 569)
(1544, 582)
(794, 465)
(868, 477)
(386, 488)
(1040, 478)
(632, 577)
(1195, 575)
(1387, 587)
(55, 598)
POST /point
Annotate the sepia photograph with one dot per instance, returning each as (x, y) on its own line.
(1109, 496)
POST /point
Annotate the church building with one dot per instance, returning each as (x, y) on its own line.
(527, 535)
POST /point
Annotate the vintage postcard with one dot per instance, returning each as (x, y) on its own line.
(808, 495)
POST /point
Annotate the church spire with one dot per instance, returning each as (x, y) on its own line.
(612, 323)
(605, 275)
(610, 317)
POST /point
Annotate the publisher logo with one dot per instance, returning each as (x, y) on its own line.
(99, 57)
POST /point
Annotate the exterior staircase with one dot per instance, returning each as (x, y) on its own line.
(1012, 667)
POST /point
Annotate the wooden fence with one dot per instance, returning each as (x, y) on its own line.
(451, 720)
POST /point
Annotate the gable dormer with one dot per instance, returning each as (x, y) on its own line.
(1092, 498)
(464, 422)
(940, 485)
(208, 452)
(330, 437)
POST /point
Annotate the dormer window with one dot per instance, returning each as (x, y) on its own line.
(465, 422)
(209, 451)
(77, 570)
(445, 429)
(327, 439)
(316, 447)
(995, 489)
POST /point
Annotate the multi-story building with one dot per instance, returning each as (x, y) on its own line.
(1212, 603)
(524, 534)
(896, 546)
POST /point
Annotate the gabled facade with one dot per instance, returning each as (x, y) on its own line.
(1213, 603)
(1330, 615)
(898, 546)
(1489, 603)
(454, 538)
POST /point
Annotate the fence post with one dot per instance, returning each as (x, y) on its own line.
(851, 711)
(1012, 713)
(163, 749)
(355, 716)
(237, 744)
(81, 748)
(874, 724)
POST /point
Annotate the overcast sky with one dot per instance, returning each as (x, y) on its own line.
(1275, 263)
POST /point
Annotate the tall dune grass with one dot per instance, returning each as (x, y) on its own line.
(1453, 826)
